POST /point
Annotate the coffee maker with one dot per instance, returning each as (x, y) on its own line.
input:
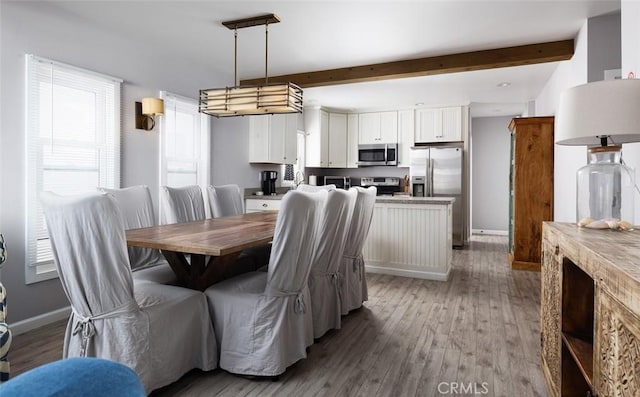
(268, 182)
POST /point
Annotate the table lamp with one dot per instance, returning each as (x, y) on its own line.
(602, 115)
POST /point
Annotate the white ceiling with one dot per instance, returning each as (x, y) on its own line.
(317, 35)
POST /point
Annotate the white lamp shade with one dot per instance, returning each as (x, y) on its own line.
(605, 108)
(152, 106)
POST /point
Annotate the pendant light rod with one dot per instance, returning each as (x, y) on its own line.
(235, 57)
(266, 53)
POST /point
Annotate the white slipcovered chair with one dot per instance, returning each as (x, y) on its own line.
(324, 277)
(181, 204)
(225, 200)
(353, 283)
(303, 187)
(263, 320)
(160, 331)
(137, 211)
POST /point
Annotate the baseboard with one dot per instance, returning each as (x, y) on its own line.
(490, 232)
(407, 273)
(28, 324)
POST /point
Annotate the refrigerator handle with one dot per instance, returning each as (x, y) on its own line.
(429, 186)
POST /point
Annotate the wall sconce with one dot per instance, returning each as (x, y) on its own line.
(145, 111)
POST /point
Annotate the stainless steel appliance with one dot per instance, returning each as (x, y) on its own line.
(436, 171)
(341, 182)
(377, 154)
(268, 182)
(384, 185)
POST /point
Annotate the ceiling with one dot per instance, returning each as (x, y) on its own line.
(323, 34)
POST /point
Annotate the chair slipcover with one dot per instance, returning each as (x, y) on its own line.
(160, 331)
(137, 211)
(303, 187)
(181, 204)
(225, 200)
(263, 319)
(324, 278)
(353, 283)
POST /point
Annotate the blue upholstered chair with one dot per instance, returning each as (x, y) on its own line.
(76, 377)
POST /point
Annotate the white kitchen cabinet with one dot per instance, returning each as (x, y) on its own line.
(406, 128)
(337, 140)
(378, 127)
(352, 141)
(439, 125)
(326, 144)
(316, 127)
(411, 240)
(273, 139)
(257, 205)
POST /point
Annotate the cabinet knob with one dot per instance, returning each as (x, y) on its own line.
(264, 205)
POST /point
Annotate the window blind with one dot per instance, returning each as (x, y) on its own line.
(73, 143)
(184, 145)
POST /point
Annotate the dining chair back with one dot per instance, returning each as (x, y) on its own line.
(303, 187)
(324, 276)
(263, 320)
(181, 204)
(137, 212)
(353, 283)
(225, 200)
(136, 208)
(160, 331)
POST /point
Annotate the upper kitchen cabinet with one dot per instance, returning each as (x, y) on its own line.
(439, 125)
(273, 139)
(352, 140)
(337, 140)
(406, 128)
(378, 127)
(326, 144)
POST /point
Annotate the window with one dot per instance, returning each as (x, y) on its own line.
(292, 174)
(184, 143)
(73, 144)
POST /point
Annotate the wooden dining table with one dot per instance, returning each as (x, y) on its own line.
(220, 238)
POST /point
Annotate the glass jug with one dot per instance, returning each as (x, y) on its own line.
(605, 188)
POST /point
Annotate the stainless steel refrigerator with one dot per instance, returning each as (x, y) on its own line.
(436, 171)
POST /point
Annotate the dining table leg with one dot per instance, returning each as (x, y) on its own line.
(197, 275)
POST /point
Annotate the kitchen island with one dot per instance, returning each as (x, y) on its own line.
(410, 236)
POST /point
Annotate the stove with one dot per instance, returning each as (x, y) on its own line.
(385, 185)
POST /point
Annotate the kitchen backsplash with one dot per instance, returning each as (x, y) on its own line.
(356, 173)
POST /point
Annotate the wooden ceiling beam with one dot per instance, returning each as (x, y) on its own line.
(453, 63)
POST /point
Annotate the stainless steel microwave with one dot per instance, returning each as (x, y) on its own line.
(341, 182)
(377, 154)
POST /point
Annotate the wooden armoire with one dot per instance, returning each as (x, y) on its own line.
(530, 189)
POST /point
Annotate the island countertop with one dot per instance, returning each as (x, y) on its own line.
(414, 200)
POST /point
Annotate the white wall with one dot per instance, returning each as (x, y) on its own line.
(230, 154)
(567, 159)
(491, 146)
(630, 27)
(604, 41)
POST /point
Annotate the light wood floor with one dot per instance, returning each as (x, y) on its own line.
(412, 338)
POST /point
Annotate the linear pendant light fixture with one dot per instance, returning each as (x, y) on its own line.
(251, 99)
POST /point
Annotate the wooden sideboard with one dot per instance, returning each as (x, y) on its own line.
(590, 311)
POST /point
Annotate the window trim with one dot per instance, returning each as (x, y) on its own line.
(204, 163)
(47, 270)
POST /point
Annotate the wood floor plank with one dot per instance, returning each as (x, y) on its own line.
(481, 328)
